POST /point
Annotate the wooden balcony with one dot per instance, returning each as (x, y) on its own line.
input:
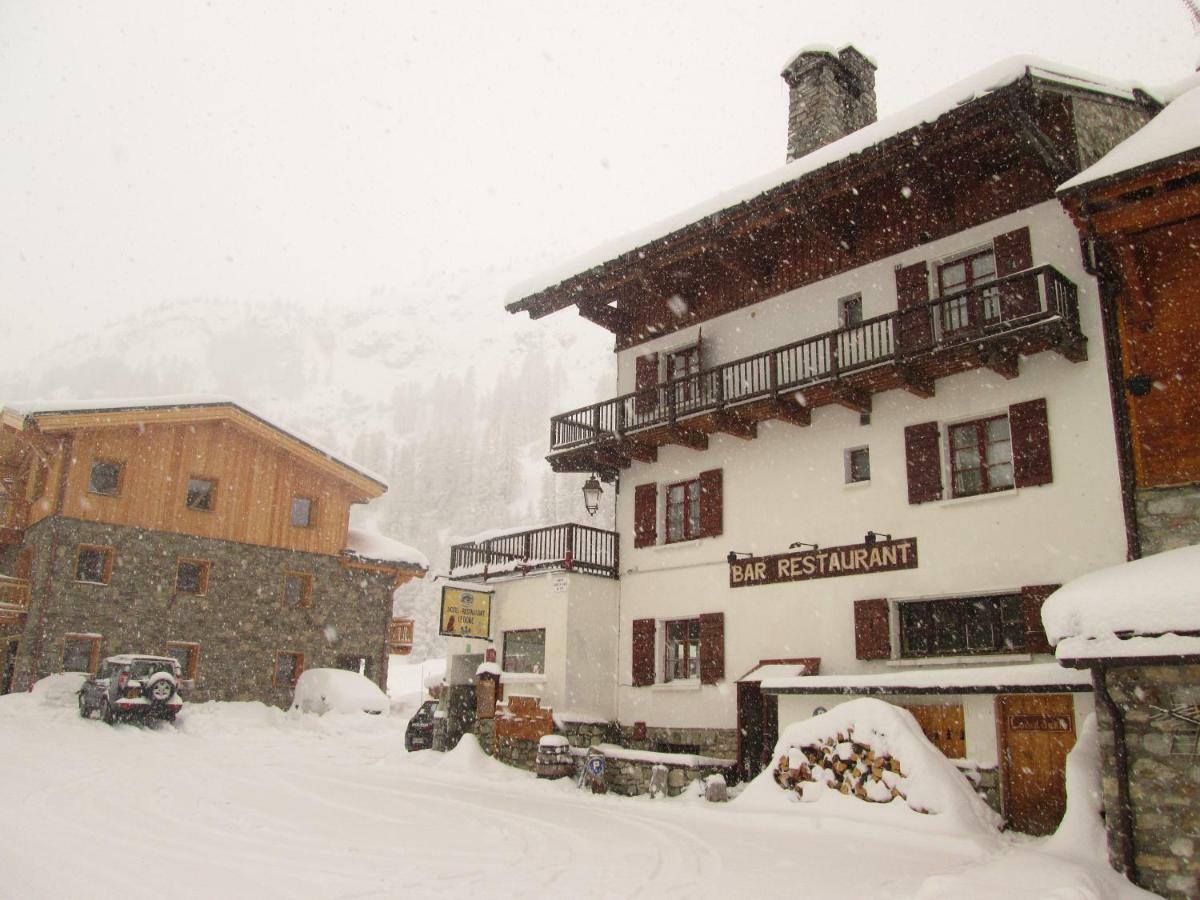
(14, 516)
(14, 599)
(400, 637)
(990, 325)
(575, 548)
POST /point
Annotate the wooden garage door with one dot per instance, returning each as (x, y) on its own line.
(944, 726)
(1037, 731)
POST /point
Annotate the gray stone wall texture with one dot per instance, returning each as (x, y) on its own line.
(830, 97)
(1102, 124)
(1168, 517)
(240, 623)
(1164, 775)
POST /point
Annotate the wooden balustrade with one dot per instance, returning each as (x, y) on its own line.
(14, 592)
(985, 312)
(579, 548)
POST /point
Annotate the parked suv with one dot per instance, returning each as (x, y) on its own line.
(133, 687)
(419, 733)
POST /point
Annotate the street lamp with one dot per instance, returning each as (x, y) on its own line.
(591, 494)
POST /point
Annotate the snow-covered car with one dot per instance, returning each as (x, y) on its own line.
(337, 690)
(131, 686)
(419, 733)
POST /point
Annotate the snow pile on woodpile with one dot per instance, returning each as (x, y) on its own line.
(869, 750)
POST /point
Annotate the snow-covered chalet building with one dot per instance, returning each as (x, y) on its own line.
(861, 428)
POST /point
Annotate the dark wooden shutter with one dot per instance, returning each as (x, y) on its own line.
(1032, 598)
(914, 323)
(1030, 443)
(643, 652)
(923, 459)
(712, 648)
(645, 515)
(646, 383)
(711, 502)
(1014, 253)
(872, 630)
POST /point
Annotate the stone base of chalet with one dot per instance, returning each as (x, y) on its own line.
(1168, 518)
(1164, 774)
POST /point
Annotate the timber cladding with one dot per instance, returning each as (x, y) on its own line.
(239, 624)
(830, 562)
(254, 482)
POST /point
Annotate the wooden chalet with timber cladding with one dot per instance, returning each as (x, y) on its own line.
(862, 426)
(190, 527)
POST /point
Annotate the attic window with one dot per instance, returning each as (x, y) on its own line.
(302, 512)
(201, 494)
(105, 478)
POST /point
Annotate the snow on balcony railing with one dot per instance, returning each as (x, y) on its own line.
(579, 548)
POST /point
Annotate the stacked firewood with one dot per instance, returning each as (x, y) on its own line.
(842, 764)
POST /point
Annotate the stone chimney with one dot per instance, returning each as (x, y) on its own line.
(832, 95)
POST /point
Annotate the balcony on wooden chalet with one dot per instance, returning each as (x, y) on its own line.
(14, 516)
(567, 547)
(14, 599)
(989, 325)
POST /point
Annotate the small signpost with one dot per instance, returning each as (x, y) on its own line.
(592, 774)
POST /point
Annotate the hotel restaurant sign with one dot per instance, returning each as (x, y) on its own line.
(466, 613)
(853, 559)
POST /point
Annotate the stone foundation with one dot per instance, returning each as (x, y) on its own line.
(1168, 518)
(717, 742)
(632, 777)
(1164, 775)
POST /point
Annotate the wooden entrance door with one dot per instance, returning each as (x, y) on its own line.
(9, 665)
(758, 728)
(1036, 732)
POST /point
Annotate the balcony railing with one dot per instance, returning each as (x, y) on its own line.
(14, 593)
(578, 548)
(14, 517)
(993, 309)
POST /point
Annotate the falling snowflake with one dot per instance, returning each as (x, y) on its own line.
(677, 305)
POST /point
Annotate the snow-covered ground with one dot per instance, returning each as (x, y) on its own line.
(239, 799)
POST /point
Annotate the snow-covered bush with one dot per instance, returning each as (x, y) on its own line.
(869, 750)
(61, 689)
(336, 690)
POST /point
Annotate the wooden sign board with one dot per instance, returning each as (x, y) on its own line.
(852, 559)
(466, 613)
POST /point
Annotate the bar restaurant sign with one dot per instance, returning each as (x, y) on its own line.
(853, 559)
(466, 613)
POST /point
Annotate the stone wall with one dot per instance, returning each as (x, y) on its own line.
(1164, 775)
(1101, 124)
(717, 742)
(1168, 518)
(240, 623)
(632, 777)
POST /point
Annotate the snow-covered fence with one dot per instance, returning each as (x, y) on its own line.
(580, 548)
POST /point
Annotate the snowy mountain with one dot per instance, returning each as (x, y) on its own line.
(440, 391)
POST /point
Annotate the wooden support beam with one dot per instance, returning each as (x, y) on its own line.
(791, 412)
(1073, 347)
(1002, 361)
(686, 437)
(851, 398)
(606, 316)
(915, 383)
(636, 450)
(610, 458)
(728, 423)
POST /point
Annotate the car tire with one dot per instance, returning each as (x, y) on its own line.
(107, 713)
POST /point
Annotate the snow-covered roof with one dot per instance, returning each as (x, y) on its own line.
(1174, 131)
(368, 544)
(1130, 610)
(986, 81)
(774, 671)
(26, 408)
(959, 680)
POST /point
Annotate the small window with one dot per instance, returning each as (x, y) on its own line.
(187, 655)
(352, 663)
(858, 465)
(201, 494)
(81, 652)
(962, 626)
(191, 576)
(105, 478)
(850, 311)
(683, 511)
(288, 667)
(302, 511)
(981, 457)
(93, 565)
(682, 639)
(297, 589)
(525, 650)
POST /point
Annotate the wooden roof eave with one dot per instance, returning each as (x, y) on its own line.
(955, 127)
(1139, 198)
(401, 573)
(366, 487)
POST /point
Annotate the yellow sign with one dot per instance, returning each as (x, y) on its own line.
(466, 613)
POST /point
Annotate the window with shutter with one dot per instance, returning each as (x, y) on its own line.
(643, 652)
(923, 460)
(1031, 443)
(645, 515)
(711, 503)
(872, 629)
(1032, 598)
(712, 648)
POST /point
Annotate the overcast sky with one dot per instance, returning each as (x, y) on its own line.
(321, 151)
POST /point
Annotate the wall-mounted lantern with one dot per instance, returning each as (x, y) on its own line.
(591, 494)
